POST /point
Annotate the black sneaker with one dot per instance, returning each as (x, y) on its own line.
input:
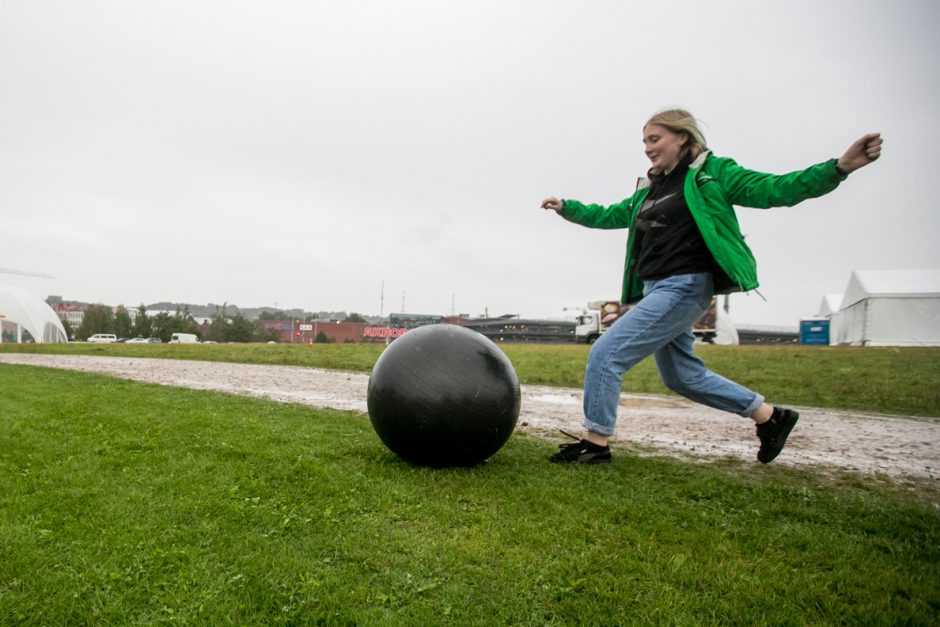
(581, 452)
(773, 433)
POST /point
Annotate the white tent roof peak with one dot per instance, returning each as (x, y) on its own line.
(830, 304)
(891, 283)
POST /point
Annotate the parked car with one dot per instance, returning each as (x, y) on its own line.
(137, 340)
(103, 338)
(154, 340)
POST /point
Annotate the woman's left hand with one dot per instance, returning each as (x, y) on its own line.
(861, 153)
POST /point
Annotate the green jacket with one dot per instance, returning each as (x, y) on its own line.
(712, 187)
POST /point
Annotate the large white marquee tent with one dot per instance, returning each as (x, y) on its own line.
(25, 317)
(889, 308)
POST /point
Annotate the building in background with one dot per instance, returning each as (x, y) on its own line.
(331, 331)
(71, 313)
(515, 329)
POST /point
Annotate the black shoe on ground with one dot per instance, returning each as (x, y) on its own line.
(773, 433)
(581, 452)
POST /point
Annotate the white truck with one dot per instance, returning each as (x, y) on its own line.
(103, 338)
(184, 338)
(598, 317)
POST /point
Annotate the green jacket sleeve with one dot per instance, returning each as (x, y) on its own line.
(748, 188)
(617, 216)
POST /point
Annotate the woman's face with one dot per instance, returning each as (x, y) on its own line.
(663, 147)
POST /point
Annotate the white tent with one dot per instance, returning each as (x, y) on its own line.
(26, 318)
(889, 308)
(829, 310)
(830, 304)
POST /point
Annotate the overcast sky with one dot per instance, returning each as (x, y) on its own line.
(302, 153)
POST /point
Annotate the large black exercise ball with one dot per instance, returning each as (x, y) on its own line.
(443, 395)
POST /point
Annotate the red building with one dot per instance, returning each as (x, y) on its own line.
(298, 332)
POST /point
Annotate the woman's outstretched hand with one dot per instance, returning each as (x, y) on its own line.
(553, 203)
(861, 153)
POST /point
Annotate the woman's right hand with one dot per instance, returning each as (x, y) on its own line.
(553, 203)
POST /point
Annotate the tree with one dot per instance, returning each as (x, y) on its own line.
(263, 334)
(240, 329)
(165, 325)
(123, 325)
(143, 326)
(97, 319)
(69, 332)
(218, 328)
(162, 326)
(354, 317)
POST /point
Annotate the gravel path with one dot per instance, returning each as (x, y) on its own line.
(892, 446)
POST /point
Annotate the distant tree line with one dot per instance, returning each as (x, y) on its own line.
(237, 328)
(101, 319)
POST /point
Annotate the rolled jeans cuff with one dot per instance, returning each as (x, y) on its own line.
(603, 430)
(754, 406)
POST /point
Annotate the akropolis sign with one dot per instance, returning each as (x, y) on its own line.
(384, 332)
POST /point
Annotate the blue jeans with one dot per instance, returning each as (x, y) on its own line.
(659, 325)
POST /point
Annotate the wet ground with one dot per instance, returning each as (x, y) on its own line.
(892, 446)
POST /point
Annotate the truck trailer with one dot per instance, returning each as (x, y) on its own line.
(598, 317)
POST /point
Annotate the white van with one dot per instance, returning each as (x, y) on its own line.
(103, 338)
(183, 338)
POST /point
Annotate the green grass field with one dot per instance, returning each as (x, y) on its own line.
(883, 380)
(127, 503)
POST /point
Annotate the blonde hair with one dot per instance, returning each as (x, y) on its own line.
(684, 123)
